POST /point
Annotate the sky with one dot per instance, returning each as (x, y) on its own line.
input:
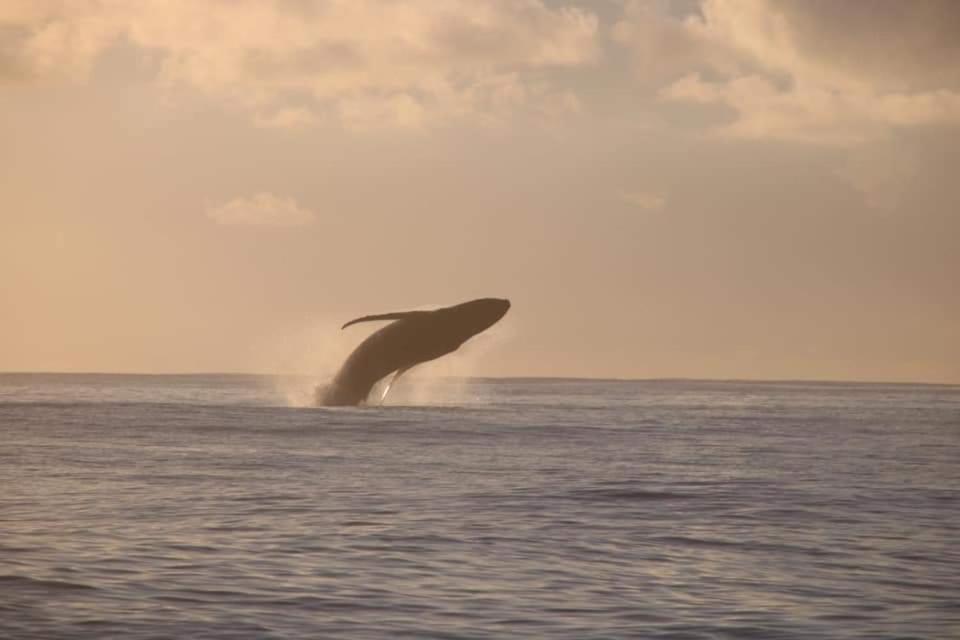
(750, 189)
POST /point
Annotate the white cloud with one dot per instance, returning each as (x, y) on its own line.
(837, 73)
(644, 199)
(290, 63)
(816, 71)
(286, 118)
(262, 209)
(814, 113)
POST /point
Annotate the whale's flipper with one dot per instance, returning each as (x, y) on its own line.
(397, 315)
(395, 377)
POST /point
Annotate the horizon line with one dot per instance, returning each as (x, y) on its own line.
(509, 377)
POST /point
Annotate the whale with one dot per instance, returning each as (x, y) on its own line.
(414, 337)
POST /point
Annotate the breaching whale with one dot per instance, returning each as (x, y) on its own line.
(414, 337)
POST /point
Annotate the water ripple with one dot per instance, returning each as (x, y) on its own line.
(552, 509)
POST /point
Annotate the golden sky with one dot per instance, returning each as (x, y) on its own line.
(698, 188)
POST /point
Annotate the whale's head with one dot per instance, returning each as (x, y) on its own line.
(475, 316)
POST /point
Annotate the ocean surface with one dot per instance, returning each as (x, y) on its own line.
(213, 507)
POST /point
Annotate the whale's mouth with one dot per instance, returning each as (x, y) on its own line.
(480, 315)
(498, 307)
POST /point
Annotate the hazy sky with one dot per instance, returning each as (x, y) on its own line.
(713, 188)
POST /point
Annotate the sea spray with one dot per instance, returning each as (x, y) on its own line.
(306, 356)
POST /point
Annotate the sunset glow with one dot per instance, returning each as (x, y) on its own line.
(716, 189)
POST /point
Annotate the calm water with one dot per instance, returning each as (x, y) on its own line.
(206, 507)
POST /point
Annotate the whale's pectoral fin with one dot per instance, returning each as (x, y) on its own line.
(395, 377)
(397, 315)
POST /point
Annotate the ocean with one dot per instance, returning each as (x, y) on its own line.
(212, 506)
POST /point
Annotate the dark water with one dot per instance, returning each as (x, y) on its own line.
(203, 507)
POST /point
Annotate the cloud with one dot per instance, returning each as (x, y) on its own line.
(839, 73)
(644, 200)
(812, 71)
(262, 209)
(286, 118)
(664, 45)
(814, 113)
(289, 63)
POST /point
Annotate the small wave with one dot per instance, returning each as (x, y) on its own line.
(36, 583)
(4, 548)
(630, 494)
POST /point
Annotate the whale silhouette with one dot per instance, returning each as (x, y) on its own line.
(414, 337)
